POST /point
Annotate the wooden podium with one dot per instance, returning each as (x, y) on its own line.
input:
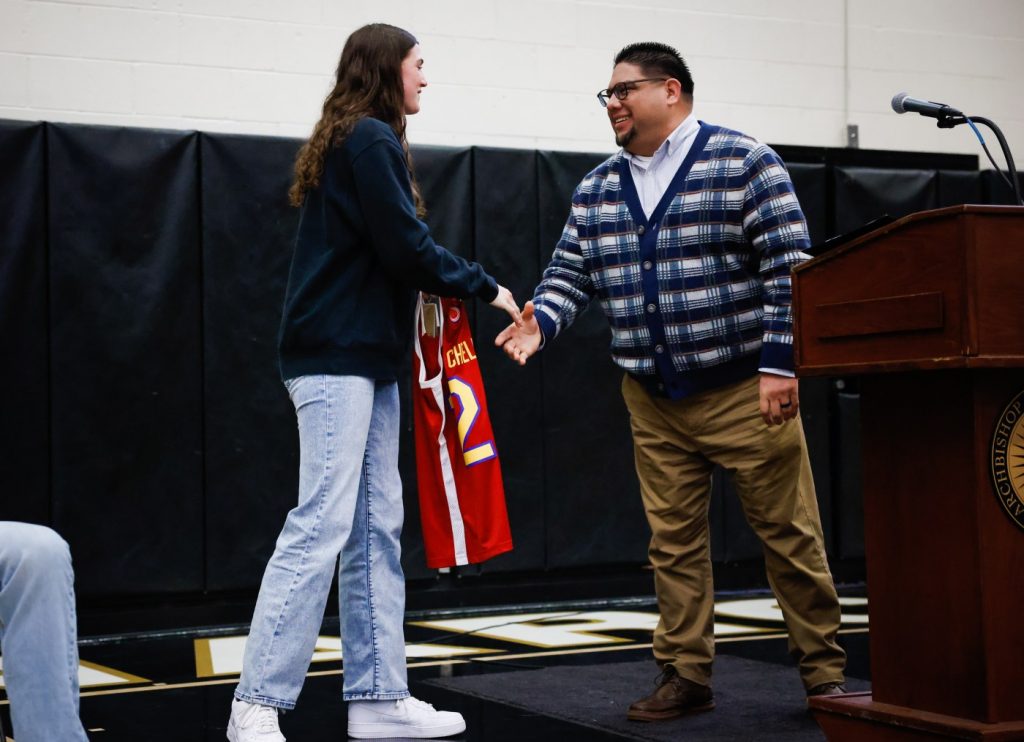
(930, 310)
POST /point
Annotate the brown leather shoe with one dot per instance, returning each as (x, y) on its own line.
(674, 697)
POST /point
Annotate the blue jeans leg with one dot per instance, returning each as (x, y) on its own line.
(38, 637)
(371, 587)
(338, 417)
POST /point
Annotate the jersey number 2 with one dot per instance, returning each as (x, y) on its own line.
(469, 410)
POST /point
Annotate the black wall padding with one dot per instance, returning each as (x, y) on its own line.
(24, 374)
(848, 476)
(505, 237)
(809, 182)
(141, 282)
(862, 194)
(251, 439)
(445, 176)
(995, 190)
(414, 559)
(816, 414)
(959, 187)
(126, 356)
(593, 510)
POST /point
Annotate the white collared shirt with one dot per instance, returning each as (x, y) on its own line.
(652, 175)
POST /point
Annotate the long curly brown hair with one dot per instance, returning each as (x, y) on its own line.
(368, 83)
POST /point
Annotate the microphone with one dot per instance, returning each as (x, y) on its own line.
(948, 117)
(903, 103)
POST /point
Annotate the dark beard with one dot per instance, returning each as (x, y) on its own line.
(623, 140)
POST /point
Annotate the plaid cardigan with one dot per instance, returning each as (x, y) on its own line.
(698, 295)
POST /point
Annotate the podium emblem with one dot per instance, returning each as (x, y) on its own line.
(1008, 459)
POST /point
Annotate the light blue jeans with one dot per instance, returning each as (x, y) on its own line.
(38, 634)
(350, 504)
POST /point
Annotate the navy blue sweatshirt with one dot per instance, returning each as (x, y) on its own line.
(361, 255)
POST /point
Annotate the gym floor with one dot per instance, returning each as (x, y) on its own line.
(177, 684)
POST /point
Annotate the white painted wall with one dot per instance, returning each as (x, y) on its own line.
(522, 73)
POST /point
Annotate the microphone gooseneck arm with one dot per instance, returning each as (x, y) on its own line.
(948, 122)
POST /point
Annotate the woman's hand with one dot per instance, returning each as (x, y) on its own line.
(505, 301)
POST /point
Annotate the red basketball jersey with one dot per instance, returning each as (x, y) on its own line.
(462, 499)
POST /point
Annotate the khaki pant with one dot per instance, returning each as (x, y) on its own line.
(676, 445)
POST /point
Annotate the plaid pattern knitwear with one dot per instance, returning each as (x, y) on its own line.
(698, 295)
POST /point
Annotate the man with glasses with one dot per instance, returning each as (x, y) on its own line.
(687, 236)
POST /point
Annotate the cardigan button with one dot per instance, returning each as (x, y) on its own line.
(648, 265)
(659, 349)
(652, 308)
(641, 229)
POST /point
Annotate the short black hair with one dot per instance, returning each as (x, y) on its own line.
(660, 59)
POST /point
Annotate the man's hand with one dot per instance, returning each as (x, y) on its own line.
(505, 302)
(521, 341)
(780, 398)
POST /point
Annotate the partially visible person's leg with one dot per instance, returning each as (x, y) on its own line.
(372, 597)
(675, 485)
(772, 474)
(38, 634)
(371, 586)
(334, 415)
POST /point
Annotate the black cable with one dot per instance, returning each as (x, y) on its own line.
(1006, 155)
(948, 122)
(989, 154)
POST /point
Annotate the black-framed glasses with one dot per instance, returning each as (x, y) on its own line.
(622, 90)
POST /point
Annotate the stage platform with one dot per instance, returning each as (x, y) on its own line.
(552, 672)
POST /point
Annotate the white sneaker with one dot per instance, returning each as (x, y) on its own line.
(251, 722)
(406, 717)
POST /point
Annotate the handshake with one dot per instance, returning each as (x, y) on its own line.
(523, 337)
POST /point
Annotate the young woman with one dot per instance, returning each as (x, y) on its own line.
(361, 254)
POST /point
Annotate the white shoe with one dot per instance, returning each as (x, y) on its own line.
(406, 717)
(251, 722)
